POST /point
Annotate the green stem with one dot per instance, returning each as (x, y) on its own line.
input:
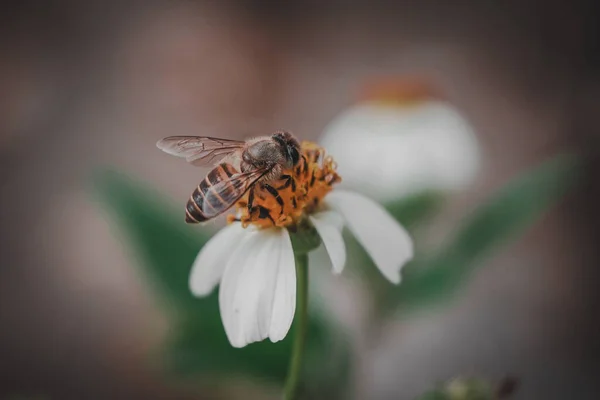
(295, 369)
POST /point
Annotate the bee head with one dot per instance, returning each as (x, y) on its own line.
(290, 147)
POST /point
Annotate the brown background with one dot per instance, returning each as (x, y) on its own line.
(91, 83)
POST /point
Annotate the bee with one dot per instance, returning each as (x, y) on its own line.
(261, 160)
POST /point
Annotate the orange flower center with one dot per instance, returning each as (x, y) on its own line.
(298, 192)
(404, 91)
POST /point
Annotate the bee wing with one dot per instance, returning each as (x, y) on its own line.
(199, 150)
(220, 197)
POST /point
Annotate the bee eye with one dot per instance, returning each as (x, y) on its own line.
(294, 155)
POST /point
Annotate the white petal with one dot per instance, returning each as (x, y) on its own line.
(423, 146)
(331, 218)
(284, 301)
(327, 225)
(257, 298)
(386, 241)
(209, 265)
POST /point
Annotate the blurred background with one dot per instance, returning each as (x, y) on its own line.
(89, 85)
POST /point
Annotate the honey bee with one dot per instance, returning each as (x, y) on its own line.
(261, 160)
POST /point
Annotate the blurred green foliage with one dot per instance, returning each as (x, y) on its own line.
(504, 216)
(415, 209)
(472, 389)
(462, 390)
(166, 248)
(431, 278)
(434, 395)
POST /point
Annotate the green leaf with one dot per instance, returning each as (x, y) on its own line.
(415, 209)
(166, 248)
(506, 215)
(435, 395)
(163, 243)
(464, 389)
(200, 346)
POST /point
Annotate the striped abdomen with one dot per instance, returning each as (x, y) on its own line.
(194, 209)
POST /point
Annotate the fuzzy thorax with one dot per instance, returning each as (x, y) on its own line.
(297, 193)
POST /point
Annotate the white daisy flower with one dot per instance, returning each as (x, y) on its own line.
(420, 142)
(257, 278)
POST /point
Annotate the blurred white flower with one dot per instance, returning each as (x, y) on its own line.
(393, 149)
(253, 260)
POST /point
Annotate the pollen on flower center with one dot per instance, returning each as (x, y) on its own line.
(299, 192)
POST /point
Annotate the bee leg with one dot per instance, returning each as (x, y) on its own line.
(275, 194)
(312, 179)
(301, 168)
(289, 181)
(250, 200)
(264, 212)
